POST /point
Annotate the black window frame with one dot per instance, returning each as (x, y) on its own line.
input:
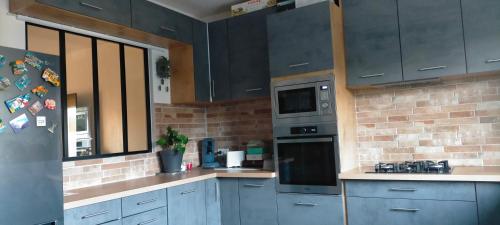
(95, 80)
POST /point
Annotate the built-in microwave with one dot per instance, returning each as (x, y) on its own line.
(304, 100)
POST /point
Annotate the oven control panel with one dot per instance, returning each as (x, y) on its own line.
(304, 130)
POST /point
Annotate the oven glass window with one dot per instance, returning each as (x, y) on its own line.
(307, 163)
(297, 100)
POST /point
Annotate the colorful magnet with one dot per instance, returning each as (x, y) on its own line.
(33, 61)
(2, 126)
(19, 123)
(2, 61)
(35, 108)
(18, 68)
(50, 104)
(23, 82)
(40, 91)
(52, 127)
(51, 77)
(41, 121)
(4, 83)
(18, 102)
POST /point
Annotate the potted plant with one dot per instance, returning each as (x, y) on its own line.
(173, 146)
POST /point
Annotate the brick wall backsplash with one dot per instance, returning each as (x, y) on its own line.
(231, 124)
(457, 120)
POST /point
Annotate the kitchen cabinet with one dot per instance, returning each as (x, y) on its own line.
(143, 202)
(94, 214)
(258, 202)
(300, 40)
(488, 201)
(152, 217)
(186, 204)
(201, 61)
(432, 43)
(219, 60)
(114, 11)
(372, 48)
(299, 209)
(481, 20)
(248, 54)
(152, 18)
(213, 202)
(230, 201)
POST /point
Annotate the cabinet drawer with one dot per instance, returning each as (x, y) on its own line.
(298, 209)
(115, 11)
(412, 190)
(187, 198)
(143, 202)
(376, 211)
(488, 201)
(153, 217)
(258, 202)
(94, 214)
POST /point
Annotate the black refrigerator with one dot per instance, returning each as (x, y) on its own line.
(31, 191)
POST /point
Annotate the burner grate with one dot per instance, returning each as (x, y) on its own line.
(441, 167)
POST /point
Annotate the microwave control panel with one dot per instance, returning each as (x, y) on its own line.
(304, 130)
(325, 100)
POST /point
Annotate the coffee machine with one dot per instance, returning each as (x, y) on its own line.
(209, 154)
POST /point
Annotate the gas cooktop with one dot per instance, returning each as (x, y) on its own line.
(441, 167)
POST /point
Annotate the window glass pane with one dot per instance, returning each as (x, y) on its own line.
(43, 40)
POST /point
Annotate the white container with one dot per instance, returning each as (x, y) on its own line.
(302, 3)
(250, 6)
(235, 158)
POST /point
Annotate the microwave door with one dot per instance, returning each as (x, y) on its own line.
(296, 101)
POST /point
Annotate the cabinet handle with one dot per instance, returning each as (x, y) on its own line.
(95, 214)
(492, 60)
(188, 192)
(213, 88)
(254, 185)
(253, 89)
(405, 210)
(147, 202)
(216, 192)
(372, 75)
(306, 204)
(168, 29)
(284, 3)
(432, 68)
(148, 222)
(403, 189)
(298, 65)
(90, 6)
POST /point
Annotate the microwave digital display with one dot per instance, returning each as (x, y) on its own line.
(297, 100)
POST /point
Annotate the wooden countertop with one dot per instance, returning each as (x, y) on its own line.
(95, 194)
(473, 173)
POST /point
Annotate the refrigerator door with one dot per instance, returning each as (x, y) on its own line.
(31, 189)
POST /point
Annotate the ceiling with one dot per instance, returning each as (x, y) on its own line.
(206, 10)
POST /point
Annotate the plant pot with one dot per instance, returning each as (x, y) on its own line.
(171, 161)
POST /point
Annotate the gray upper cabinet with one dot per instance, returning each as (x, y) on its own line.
(258, 204)
(300, 40)
(248, 54)
(219, 60)
(152, 18)
(371, 32)
(230, 201)
(213, 202)
(186, 204)
(114, 11)
(481, 20)
(201, 61)
(432, 43)
(488, 201)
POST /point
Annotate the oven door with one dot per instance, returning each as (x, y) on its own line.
(307, 165)
(296, 100)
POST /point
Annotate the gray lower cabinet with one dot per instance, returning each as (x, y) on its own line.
(115, 222)
(481, 20)
(378, 211)
(219, 60)
(300, 40)
(114, 11)
(186, 204)
(143, 202)
(258, 202)
(432, 43)
(488, 201)
(372, 48)
(213, 202)
(152, 217)
(300, 209)
(201, 61)
(230, 201)
(94, 214)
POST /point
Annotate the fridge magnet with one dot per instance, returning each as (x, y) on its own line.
(2, 126)
(51, 77)
(18, 102)
(2, 61)
(52, 127)
(33, 61)
(40, 91)
(4, 83)
(18, 68)
(50, 104)
(41, 121)
(23, 82)
(35, 108)
(19, 123)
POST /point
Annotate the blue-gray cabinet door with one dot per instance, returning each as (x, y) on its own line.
(213, 202)
(248, 54)
(258, 205)
(371, 31)
(300, 40)
(136, 204)
(378, 211)
(482, 31)
(201, 61)
(230, 201)
(186, 204)
(488, 202)
(432, 43)
(94, 214)
(153, 217)
(219, 60)
(114, 11)
(300, 209)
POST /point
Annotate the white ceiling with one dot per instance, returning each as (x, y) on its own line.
(206, 10)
